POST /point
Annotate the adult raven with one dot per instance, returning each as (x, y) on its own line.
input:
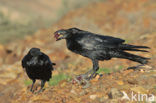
(37, 66)
(98, 47)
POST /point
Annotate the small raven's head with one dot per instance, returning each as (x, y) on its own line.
(35, 52)
(65, 33)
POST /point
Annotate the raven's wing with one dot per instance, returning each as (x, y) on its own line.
(91, 41)
(47, 61)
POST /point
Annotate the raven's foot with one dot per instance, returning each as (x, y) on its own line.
(40, 91)
(42, 86)
(89, 75)
(31, 90)
(82, 80)
(92, 76)
(86, 77)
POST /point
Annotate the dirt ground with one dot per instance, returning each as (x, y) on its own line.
(132, 20)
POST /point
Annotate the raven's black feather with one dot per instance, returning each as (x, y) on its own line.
(99, 47)
(37, 65)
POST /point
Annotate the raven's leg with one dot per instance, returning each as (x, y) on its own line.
(84, 78)
(42, 85)
(34, 80)
(95, 68)
(90, 74)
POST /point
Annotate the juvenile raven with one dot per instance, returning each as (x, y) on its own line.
(98, 47)
(37, 66)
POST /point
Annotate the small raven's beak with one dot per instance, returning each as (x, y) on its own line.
(39, 53)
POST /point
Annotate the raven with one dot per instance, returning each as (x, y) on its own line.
(98, 47)
(37, 66)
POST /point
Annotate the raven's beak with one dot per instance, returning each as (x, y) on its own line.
(39, 53)
(58, 36)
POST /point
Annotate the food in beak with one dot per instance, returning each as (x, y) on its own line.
(56, 36)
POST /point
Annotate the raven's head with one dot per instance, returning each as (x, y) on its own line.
(35, 52)
(65, 33)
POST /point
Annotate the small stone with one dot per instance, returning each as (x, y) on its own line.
(132, 81)
(93, 97)
(120, 82)
(115, 94)
(73, 92)
(103, 99)
(139, 89)
(83, 93)
(142, 71)
(96, 78)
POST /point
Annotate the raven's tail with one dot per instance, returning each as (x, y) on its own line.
(53, 63)
(133, 57)
(133, 47)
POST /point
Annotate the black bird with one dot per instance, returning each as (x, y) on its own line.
(98, 47)
(37, 66)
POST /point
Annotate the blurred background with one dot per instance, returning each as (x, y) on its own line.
(25, 24)
(22, 17)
